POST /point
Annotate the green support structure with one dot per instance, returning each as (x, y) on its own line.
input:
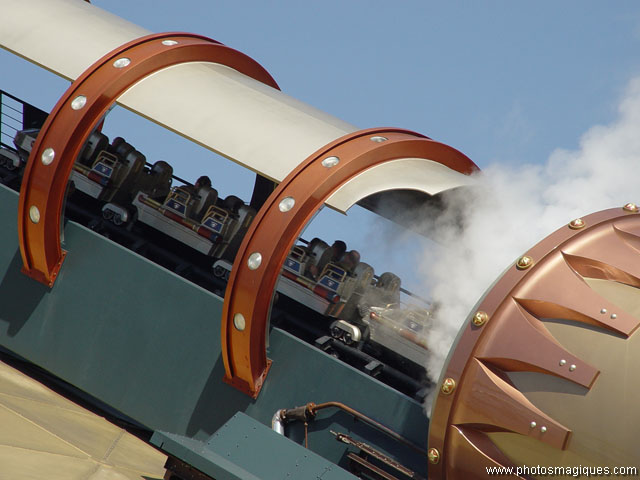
(147, 343)
(237, 451)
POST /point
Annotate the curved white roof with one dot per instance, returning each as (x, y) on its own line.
(242, 119)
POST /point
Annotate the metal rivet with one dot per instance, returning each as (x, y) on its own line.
(254, 261)
(572, 368)
(330, 162)
(47, 156)
(630, 207)
(563, 362)
(122, 62)
(524, 262)
(604, 310)
(379, 139)
(533, 424)
(614, 316)
(286, 204)
(169, 43)
(239, 321)
(78, 102)
(448, 386)
(34, 214)
(543, 429)
(434, 455)
(480, 318)
(576, 224)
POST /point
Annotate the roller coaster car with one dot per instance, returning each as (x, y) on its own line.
(400, 329)
(181, 216)
(154, 182)
(383, 291)
(105, 172)
(23, 140)
(192, 216)
(381, 320)
(9, 158)
(339, 285)
(108, 173)
(113, 173)
(231, 222)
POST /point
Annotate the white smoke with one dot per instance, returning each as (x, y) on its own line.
(517, 206)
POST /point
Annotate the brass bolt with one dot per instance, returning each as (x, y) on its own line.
(576, 224)
(524, 262)
(630, 207)
(434, 455)
(448, 386)
(480, 318)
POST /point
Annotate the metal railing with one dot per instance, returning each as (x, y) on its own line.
(16, 115)
(11, 118)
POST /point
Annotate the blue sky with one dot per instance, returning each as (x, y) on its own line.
(501, 81)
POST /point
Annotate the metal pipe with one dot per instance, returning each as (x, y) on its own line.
(277, 422)
(313, 408)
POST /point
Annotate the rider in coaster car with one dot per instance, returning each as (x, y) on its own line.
(350, 260)
(332, 254)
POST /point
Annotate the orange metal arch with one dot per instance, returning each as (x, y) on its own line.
(273, 232)
(77, 112)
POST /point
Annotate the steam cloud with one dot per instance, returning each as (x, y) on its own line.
(513, 208)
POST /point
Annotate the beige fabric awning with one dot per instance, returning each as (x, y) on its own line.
(45, 436)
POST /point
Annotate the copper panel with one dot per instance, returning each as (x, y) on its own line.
(592, 268)
(568, 296)
(473, 452)
(543, 322)
(485, 398)
(66, 130)
(509, 348)
(628, 234)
